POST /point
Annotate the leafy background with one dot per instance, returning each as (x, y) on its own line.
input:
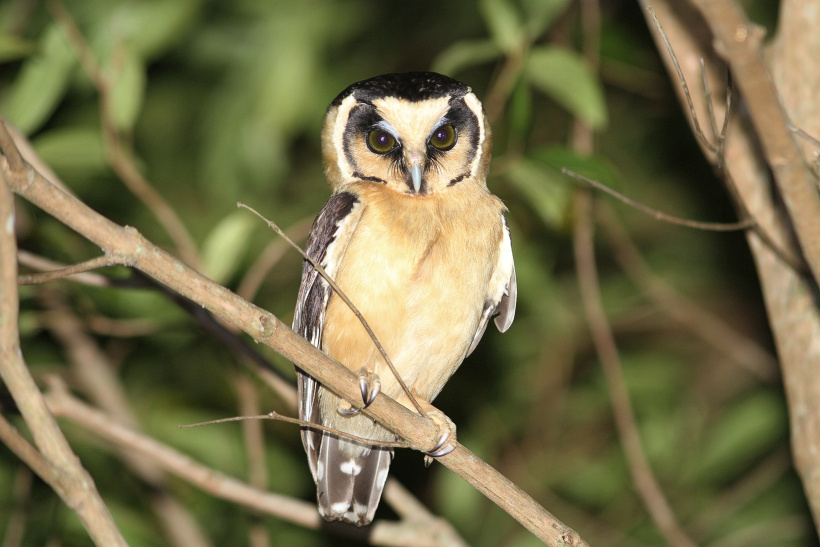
(223, 102)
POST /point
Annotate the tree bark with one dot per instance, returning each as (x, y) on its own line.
(761, 153)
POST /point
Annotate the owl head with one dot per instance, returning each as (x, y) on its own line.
(417, 133)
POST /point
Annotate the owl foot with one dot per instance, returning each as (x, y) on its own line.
(370, 385)
(346, 409)
(447, 438)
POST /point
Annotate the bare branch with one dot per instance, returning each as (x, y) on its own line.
(93, 264)
(405, 534)
(789, 292)
(654, 213)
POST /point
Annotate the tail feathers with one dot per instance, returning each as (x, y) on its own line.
(350, 478)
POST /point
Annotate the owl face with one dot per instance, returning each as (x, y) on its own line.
(417, 133)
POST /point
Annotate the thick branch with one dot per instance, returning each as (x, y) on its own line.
(790, 297)
(738, 42)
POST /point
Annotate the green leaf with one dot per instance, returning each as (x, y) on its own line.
(42, 82)
(543, 188)
(127, 74)
(504, 23)
(226, 244)
(461, 55)
(565, 76)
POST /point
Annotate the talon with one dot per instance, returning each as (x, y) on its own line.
(346, 409)
(438, 450)
(446, 441)
(370, 386)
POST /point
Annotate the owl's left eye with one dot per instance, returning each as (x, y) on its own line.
(380, 142)
(444, 137)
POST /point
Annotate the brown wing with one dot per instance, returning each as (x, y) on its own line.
(349, 476)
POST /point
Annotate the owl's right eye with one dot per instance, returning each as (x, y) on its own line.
(380, 142)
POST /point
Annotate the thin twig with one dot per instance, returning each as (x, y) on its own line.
(698, 131)
(346, 300)
(301, 423)
(46, 277)
(654, 213)
(42, 264)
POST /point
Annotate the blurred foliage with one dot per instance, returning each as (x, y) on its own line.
(223, 102)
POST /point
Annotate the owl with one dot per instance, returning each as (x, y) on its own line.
(417, 242)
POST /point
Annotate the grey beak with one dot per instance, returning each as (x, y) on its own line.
(415, 174)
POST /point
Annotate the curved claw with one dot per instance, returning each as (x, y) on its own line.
(346, 409)
(369, 385)
(442, 449)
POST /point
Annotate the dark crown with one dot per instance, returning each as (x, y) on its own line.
(412, 86)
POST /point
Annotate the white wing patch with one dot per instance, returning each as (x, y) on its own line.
(350, 467)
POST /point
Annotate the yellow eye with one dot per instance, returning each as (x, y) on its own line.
(444, 137)
(380, 142)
